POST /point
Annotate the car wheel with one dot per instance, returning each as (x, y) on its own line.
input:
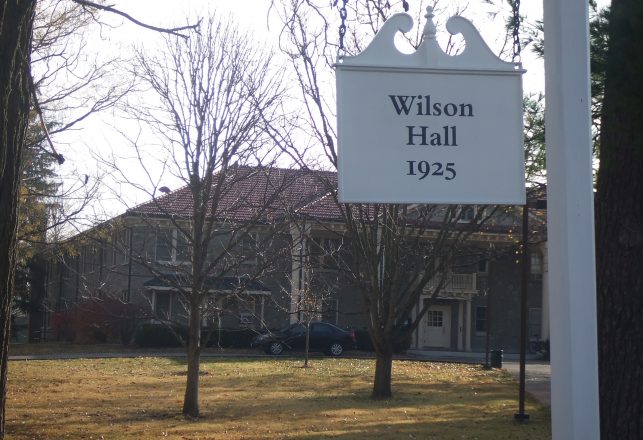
(275, 348)
(335, 349)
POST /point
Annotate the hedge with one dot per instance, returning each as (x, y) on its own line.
(364, 342)
(159, 335)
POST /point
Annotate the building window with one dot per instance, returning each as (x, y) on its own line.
(324, 252)
(90, 257)
(172, 245)
(164, 238)
(467, 214)
(95, 257)
(247, 309)
(536, 264)
(434, 318)
(534, 322)
(245, 318)
(86, 257)
(481, 319)
(162, 304)
(483, 266)
(121, 246)
(106, 254)
(247, 248)
(182, 246)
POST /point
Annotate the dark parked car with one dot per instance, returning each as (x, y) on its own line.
(324, 337)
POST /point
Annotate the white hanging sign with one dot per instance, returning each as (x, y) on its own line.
(429, 127)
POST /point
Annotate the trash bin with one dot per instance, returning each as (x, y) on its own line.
(496, 358)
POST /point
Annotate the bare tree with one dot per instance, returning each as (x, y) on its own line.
(16, 86)
(400, 252)
(204, 102)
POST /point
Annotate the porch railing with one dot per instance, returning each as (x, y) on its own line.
(455, 282)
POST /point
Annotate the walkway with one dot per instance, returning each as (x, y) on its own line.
(537, 373)
(537, 379)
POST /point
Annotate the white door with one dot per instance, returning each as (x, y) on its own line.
(436, 327)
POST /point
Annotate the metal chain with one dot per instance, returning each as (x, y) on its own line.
(342, 27)
(515, 5)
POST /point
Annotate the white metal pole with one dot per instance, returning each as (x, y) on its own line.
(572, 272)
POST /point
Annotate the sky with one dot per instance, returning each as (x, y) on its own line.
(103, 134)
(252, 15)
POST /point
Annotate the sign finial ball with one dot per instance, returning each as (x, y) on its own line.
(429, 28)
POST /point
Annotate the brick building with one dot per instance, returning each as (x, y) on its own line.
(278, 235)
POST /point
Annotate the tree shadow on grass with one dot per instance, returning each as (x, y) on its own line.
(329, 403)
(239, 399)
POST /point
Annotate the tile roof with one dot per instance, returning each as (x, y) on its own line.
(256, 194)
(265, 194)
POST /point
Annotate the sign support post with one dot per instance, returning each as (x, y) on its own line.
(572, 279)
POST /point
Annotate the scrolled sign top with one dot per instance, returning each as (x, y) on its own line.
(382, 51)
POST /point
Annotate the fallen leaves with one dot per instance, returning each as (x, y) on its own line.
(257, 399)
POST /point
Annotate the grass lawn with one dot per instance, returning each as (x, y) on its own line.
(141, 398)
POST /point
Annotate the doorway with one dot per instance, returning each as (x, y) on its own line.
(436, 327)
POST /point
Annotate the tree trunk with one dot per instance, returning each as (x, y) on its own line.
(16, 22)
(383, 368)
(191, 399)
(307, 345)
(619, 229)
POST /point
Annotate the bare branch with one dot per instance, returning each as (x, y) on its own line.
(176, 31)
(36, 105)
